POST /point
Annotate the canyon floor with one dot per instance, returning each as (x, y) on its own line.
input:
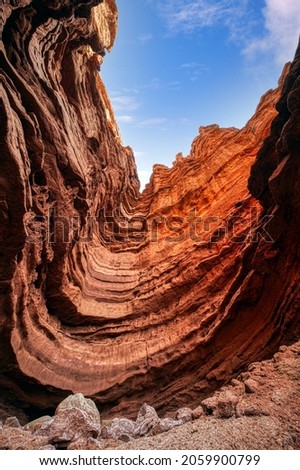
(258, 410)
(267, 415)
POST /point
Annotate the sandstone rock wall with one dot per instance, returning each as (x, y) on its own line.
(122, 296)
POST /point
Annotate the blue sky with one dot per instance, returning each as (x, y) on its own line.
(180, 64)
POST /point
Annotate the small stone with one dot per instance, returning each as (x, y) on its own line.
(147, 418)
(120, 429)
(184, 415)
(235, 382)
(12, 422)
(146, 411)
(245, 375)
(252, 409)
(238, 386)
(104, 432)
(198, 412)
(163, 425)
(253, 366)
(251, 386)
(33, 426)
(278, 357)
(221, 405)
(260, 373)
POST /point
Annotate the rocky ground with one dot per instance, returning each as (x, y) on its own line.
(258, 410)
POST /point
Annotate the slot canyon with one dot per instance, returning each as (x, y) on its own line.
(127, 297)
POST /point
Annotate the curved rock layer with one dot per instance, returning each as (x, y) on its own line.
(123, 296)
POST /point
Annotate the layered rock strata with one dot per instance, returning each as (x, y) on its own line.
(129, 297)
(259, 410)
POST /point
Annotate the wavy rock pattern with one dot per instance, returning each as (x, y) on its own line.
(127, 297)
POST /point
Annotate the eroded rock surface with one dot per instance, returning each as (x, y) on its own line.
(123, 297)
(266, 416)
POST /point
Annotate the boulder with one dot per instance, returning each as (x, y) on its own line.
(69, 425)
(221, 405)
(147, 418)
(121, 429)
(81, 403)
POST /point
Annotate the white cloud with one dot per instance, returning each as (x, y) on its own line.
(186, 121)
(138, 154)
(194, 70)
(282, 25)
(274, 29)
(125, 103)
(125, 119)
(143, 38)
(188, 15)
(154, 84)
(152, 122)
(157, 84)
(175, 85)
(190, 65)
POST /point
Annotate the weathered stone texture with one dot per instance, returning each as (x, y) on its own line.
(129, 297)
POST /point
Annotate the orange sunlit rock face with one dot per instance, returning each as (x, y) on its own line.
(122, 296)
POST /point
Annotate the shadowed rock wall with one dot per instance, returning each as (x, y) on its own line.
(127, 297)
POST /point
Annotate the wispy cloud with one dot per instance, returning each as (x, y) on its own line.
(125, 103)
(273, 30)
(122, 102)
(282, 28)
(188, 15)
(126, 119)
(190, 65)
(138, 154)
(158, 84)
(175, 85)
(143, 38)
(186, 121)
(152, 122)
(154, 84)
(194, 70)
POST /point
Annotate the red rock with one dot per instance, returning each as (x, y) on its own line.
(79, 402)
(252, 409)
(198, 412)
(34, 426)
(277, 397)
(121, 296)
(12, 422)
(120, 429)
(221, 405)
(251, 386)
(86, 444)
(164, 425)
(146, 419)
(68, 426)
(184, 415)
